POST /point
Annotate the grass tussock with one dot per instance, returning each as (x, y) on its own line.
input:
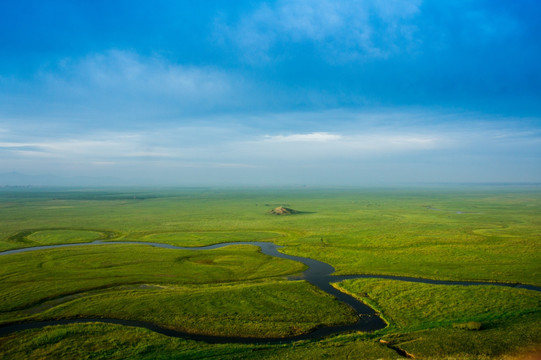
(470, 325)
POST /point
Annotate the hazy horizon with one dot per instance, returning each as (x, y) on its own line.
(263, 93)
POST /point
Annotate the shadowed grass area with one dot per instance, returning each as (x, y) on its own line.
(101, 341)
(507, 340)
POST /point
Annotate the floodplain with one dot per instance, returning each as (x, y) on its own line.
(489, 234)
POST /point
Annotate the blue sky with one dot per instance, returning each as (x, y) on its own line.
(320, 92)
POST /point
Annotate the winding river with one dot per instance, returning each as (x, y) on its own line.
(318, 274)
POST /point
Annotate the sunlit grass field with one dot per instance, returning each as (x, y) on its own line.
(29, 278)
(474, 233)
(415, 306)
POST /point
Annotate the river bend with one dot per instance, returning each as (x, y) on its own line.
(318, 274)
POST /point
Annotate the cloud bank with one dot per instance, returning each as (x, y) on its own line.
(121, 83)
(354, 154)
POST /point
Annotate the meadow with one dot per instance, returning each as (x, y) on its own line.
(454, 233)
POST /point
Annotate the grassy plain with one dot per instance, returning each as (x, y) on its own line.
(260, 309)
(507, 340)
(416, 306)
(479, 234)
(458, 233)
(32, 277)
(47, 237)
(102, 341)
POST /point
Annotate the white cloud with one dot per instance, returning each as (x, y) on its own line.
(341, 30)
(154, 75)
(366, 144)
(216, 151)
(92, 146)
(312, 137)
(213, 147)
(121, 86)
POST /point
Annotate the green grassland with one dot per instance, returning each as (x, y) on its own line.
(434, 321)
(117, 342)
(47, 237)
(506, 340)
(415, 306)
(453, 234)
(32, 277)
(477, 233)
(205, 238)
(268, 309)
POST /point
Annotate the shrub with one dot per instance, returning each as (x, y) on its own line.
(471, 325)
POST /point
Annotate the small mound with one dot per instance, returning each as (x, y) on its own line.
(280, 210)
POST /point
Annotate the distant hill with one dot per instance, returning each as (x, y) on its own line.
(280, 210)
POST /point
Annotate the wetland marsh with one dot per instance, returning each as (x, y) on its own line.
(238, 291)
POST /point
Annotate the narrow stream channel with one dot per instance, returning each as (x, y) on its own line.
(318, 274)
